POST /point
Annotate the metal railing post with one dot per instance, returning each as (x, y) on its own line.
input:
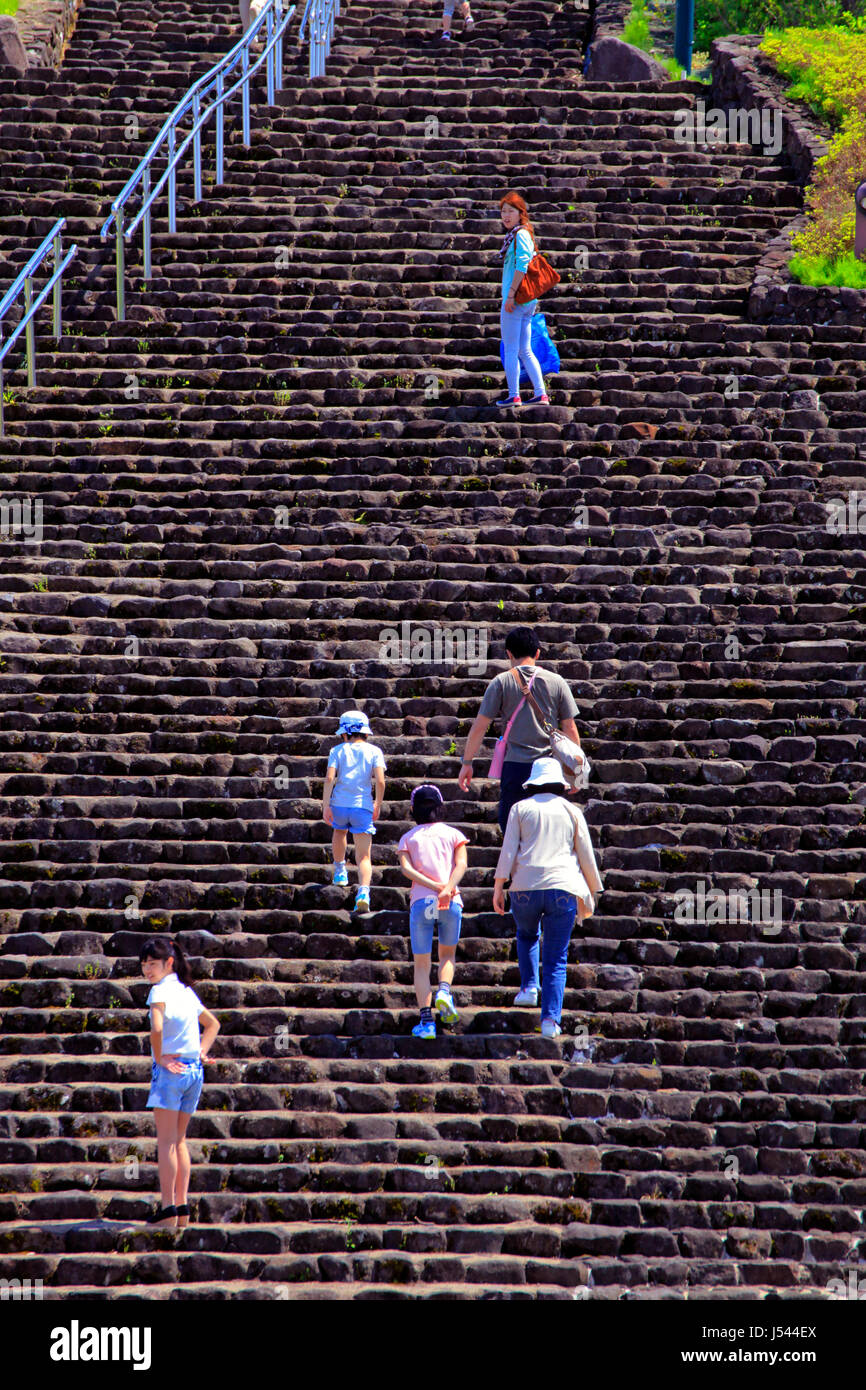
(172, 185)
(271, 63)
(148, 266)
(278, 52)
(30, 332)
(245, 93)
(58, 286)
(120, 267)
(684, 33)
(220, 133)
(196, 149)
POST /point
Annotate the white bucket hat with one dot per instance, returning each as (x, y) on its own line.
(546, 771)
(354, 721)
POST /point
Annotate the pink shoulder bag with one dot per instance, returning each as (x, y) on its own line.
(498, 758)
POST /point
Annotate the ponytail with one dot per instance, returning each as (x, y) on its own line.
(160, 948)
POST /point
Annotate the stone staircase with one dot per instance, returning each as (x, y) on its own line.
(312, 458)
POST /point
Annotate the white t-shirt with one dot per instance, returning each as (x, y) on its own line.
(355, 763)
(180, 1030)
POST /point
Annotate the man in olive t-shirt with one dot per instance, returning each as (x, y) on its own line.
(527, 740)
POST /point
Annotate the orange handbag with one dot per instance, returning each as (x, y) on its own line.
(538, 278)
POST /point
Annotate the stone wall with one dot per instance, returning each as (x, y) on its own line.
(741, 77)
(608, 18)
(44, 27)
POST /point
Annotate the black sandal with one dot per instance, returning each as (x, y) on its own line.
(183, 1210)
(161, 1215)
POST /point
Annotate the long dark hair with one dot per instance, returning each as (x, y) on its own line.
(160, 948)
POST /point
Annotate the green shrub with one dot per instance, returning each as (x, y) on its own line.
(636, 29)
(825, 270)
(827, 68)
(716, 18)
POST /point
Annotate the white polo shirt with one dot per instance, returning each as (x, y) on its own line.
(180, 1030)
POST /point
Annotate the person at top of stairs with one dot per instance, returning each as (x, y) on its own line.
(547, 853)
(504, 698)
(250, 11)
(448, 15)
(177, 1076)
(433, 856)
(349, 801)
(517, 250)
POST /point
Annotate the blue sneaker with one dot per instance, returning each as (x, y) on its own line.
(425, 1029)
(362, 901)
(341, 874)
(445, 1006)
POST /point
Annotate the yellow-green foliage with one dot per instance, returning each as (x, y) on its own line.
(828, 69)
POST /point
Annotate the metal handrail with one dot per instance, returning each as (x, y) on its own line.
(26, 325)
(214, 79)
(318, 21)
(321, 16)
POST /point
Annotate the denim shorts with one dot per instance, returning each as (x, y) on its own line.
(424, 915)
(354, 818)
(175, 1092)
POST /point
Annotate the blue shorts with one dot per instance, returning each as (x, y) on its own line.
(175, 1092)
(424, 915)
(354, 818)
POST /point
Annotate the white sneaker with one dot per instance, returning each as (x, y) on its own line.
(528, 998)
(445, 1007)
(549, 1029)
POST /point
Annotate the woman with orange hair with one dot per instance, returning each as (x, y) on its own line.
(517, 251)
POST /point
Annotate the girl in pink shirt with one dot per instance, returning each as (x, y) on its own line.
(433, 856)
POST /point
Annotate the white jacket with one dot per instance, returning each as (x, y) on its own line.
(547, 845)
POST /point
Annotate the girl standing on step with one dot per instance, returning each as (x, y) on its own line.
(547, 854)
(352, 799)
(177, 1076)
(448, 16)
(433, 856)
(517, 251)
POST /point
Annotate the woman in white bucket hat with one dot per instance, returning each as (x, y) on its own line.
(548, 855)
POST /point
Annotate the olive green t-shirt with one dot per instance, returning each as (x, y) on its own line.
(527, 740)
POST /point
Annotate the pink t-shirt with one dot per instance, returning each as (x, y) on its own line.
(431, 851)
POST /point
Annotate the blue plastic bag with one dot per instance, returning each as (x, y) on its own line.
(543, 347)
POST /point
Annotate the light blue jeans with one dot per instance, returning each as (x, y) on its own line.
(171, 1091)
(517, 342)
(548, 913)
(424, 915)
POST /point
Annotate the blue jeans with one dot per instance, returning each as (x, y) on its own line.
(511, 788)
(517, 342)
(553, 911)
(424, 915)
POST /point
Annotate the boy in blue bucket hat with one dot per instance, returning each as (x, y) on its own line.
(352, 799)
